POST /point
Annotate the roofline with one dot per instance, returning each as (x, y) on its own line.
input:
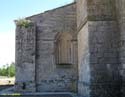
(51, 10)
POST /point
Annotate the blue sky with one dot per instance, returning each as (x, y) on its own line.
(14, 9)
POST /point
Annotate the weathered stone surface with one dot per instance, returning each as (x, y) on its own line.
(49, 76)
(93, 44)
(101, 10)
(102, 42)
(25, 58)
(81, 12)
(84, 59)
(120, 6)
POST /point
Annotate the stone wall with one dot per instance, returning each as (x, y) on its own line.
(49, 76)
(120, 4)
(25, 58)
(101, 11)
(81, 13)
(102, 65)
(97, 43)
(83, 49)
(103, 41)
(83, 61)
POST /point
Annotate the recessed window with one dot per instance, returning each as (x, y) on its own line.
(64, 49)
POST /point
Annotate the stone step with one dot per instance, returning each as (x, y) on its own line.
(39, 94)
(52, 95)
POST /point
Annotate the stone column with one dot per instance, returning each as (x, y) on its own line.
(98, 39)
(25, 58)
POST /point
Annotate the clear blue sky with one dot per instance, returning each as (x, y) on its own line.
(14, 9)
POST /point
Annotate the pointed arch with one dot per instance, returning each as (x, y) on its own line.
(64, 48)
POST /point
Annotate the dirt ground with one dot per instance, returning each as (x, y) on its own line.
(6, 81)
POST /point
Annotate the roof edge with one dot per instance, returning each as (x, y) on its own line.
(51, 10)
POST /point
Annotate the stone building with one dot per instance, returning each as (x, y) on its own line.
(79, 48)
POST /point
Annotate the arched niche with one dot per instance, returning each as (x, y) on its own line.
(65, 49)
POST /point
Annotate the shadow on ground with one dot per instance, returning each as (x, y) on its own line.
(3, 87)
